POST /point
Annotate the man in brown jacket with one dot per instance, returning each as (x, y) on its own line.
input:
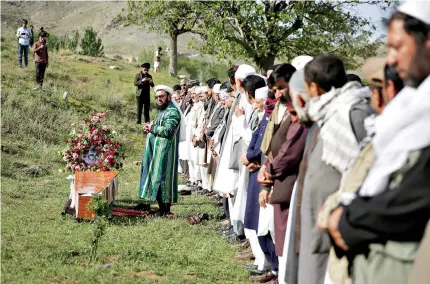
(41, 59)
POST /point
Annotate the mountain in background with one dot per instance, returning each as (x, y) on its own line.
(61, 17)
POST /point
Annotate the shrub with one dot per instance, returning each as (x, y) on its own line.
(91, 45)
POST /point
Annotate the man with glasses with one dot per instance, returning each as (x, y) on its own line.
(159, 171)
(143, 81)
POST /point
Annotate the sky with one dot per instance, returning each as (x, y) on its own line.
(375, 16)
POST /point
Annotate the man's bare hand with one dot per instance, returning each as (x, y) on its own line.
(333, 228)
(263, 198)
(244, 160)
(238, 111)
(252, 167)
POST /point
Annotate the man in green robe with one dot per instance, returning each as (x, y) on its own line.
(159, 171)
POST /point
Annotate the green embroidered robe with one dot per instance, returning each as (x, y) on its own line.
(159, 171)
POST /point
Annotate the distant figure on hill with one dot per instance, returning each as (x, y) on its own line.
(23, 34)
(41, 59)
(143, 82)
(157, 64)
(158, 55)
(32, 35)
(43, 33)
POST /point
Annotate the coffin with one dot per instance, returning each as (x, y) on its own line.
(90, 184)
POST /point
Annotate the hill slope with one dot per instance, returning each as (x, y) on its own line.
(60, 17)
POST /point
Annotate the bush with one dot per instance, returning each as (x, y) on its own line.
(91, 45)
(62, 43)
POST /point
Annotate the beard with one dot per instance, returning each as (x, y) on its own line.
(302, 113)
(206, 104)
(419, 67)
(162, 106)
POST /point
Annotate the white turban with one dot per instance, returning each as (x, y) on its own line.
(204, 89)
(261, 93)
(216, 88)
(244, 71)
(300, 61)
(165, 88)
(198, 90)
(223, 95)
(419, 10)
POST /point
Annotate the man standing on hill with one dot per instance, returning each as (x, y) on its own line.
(41, 60)
(23, 34)
(143, 82)
(159, 171)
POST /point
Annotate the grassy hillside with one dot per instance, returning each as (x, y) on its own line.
(41, 246)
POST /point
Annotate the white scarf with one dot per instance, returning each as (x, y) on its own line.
(331, 112)
(403, 126)
(183, 124)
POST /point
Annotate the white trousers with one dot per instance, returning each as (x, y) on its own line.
(192, 171)
(204, 175)
(260, 258)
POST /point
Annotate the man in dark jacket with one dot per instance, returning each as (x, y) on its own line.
(143, 81)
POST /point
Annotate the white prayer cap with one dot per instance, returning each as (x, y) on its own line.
(419, 10)
(261, 93)
(216, 88)
(297, 81)
(204, 89)
(244, 71)
(300, 61)
(198, 90)
(223, 95)
(165, 88)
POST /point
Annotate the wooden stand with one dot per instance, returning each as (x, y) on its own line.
(88, 184)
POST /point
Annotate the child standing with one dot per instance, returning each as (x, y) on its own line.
(157, 64)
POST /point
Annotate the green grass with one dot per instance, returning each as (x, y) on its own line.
(41, 246)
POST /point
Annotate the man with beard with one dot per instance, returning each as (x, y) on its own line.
(143, 81)
(227, 175)
(338, 109)
(214, 120)
(199, 138)
(279, 171)
(159, 171)
(385, 85)
(387, 218)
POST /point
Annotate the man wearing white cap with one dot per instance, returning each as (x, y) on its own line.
(228, 168)
(192, 110)
(213, 121)
(388, 217)
(159, 171)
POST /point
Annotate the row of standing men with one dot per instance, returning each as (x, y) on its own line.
(327, 179)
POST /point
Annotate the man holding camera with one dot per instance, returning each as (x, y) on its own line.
(143, 81)
(23, 34)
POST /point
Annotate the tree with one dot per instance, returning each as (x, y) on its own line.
(165, 17)
(267, 29)
(73, 43)
(90, 44)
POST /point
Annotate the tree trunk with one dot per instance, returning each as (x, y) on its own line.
(265, 63)
(173, 54)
